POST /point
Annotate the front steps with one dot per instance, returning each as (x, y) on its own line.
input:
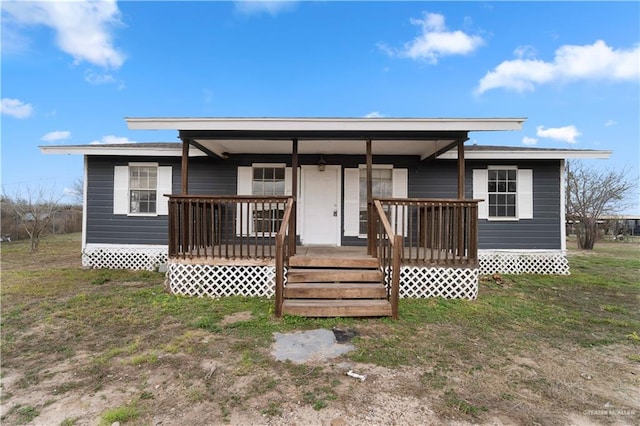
(325, 286)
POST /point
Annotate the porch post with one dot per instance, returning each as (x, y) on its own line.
(371, 249)
(185, 166)
(294, 194)
(461, 170)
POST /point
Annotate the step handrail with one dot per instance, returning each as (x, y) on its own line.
(283, 252)
(389, 250)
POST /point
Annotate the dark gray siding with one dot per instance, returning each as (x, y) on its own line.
(439, 180)
(428, 179)
(541, 232)
(206, 176)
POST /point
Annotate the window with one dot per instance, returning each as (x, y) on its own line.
(268, 181)
(143, 183)
(506, 192)
(502, 190)
(139, 189)
(382, 187)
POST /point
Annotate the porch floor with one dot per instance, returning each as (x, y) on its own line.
(264, 256)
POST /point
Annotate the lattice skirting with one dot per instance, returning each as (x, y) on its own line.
(148, 258)
(523, 263)
(450, 283)
(218, 281)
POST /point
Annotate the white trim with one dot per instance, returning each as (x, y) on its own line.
(523, 154)
(85, 200)
(518, 251)
(323, 124)
(96, 246)
(563, 213)
(117, 149)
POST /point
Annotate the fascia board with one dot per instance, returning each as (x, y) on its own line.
(526, 155)
(122, 151)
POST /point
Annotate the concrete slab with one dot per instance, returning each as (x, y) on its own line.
(308, 346)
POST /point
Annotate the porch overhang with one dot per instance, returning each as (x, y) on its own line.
(424, 137)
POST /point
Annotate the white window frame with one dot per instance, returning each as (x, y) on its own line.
(245, 187)
(121, 189)
(524, 193)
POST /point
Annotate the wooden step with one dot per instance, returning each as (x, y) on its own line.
(335, 291)
(337, 308)
(333, 275)
(333, 262)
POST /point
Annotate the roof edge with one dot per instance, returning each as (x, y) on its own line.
(293, 124)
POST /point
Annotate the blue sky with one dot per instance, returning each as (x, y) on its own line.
(72, 70)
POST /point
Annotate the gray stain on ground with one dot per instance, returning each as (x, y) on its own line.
(305, 346)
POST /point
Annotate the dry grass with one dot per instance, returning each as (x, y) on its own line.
(85, 346)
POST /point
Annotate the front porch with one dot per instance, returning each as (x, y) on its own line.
(287, 192)
(221, 245)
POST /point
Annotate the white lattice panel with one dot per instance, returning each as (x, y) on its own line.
(124, 258)
(218, 281)
(524, 263)
(450, 283)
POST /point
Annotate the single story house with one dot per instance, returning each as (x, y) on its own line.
(333, 216)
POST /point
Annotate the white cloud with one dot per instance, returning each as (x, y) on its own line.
(56, 135)
(97, 79)
(374, 114)
(15, 108)
(565, 134)
(110, 139)
(525, 52)
(435, 41)
(589, 62)
(83, 28)
(263, 6)
(529, 141)
(610, 123)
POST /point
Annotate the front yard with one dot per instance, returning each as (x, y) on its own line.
(90, 347)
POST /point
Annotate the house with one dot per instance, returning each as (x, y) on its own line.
(333, 216)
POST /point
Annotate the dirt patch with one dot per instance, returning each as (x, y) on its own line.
(236, 317)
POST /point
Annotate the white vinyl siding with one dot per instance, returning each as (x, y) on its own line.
(518, 191)
(123, 187)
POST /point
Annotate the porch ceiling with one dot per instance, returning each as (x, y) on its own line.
(422, 148)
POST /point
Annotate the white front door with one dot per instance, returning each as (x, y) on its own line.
(319, 207)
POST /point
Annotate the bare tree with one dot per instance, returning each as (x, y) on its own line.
(33, 208)
(76, 192)
(592, 193)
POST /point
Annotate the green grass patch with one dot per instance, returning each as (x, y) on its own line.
(120, 414)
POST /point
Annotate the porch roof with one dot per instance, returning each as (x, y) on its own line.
(472, 152)
(426, 137)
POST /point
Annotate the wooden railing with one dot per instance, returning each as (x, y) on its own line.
(226, 227)
(435, 231)
(283, 251)
(388, 251)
